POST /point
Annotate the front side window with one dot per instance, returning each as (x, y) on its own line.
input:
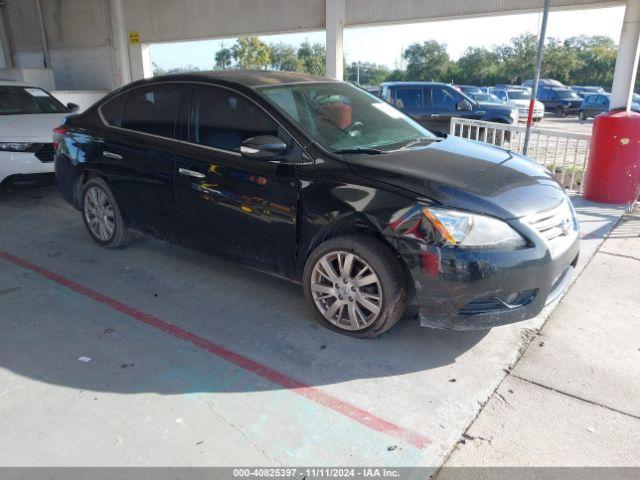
(340, 116)
(152, 109)
(16, 100)
(444, 99)
(224, 119)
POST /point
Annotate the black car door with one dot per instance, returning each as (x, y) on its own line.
(137, 154)
(410, 100)
(442, 104)
(244, 208)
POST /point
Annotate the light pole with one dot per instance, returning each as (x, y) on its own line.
(534, 90)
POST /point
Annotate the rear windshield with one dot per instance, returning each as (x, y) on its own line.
(27, 100)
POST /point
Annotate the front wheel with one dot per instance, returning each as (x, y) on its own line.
(355, 285)
(560, 111)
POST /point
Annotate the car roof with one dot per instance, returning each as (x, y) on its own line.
(248, 78)
(421, 84)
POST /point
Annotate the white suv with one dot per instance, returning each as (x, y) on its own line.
(519, 98)
(28, 116)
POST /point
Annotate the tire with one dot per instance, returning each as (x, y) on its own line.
(119, 236)
(390, 286)
(560, 111)
(582, 116)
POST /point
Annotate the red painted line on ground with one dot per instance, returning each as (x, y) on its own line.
(311, 393)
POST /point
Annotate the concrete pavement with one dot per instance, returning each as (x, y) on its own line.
(573, 399)
(196, 361)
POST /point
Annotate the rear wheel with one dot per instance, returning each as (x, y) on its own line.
(355, 286)
(102, 216)
(583, 116)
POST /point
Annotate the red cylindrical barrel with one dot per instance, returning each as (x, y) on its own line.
(613, 173)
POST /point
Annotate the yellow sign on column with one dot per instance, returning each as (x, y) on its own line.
(134, 37)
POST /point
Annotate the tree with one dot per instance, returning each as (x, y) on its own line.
(158, 70)
(478, 66)
(518, 58)
(223, 58)
(365, 73)
(251, 53)
(283, 57)
(427, 61)
(313, 58)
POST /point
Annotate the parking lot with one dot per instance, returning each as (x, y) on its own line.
(157, 355)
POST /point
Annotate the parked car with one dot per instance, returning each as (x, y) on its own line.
(585, 90)
(521, 99)
(544, 82)
(486, 98)
(322, 183)
(505, 86)
(469, 89)
(560, 100)
(597, 103)
(27, 116)
(434, 104)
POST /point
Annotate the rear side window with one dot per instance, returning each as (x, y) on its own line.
(223, 119)
(112, 111)
(409, 98)
(152, 109)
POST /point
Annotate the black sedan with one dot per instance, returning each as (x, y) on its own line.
(320, 182)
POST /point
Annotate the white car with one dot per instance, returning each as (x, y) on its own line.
(28, 116)
(519, 98)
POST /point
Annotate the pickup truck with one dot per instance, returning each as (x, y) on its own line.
(434, 104)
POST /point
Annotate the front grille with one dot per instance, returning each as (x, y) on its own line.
(554, 223)
(45, 153)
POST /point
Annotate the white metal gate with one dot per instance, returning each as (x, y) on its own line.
(564, 153)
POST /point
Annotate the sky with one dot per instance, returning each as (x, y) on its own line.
(391, 40)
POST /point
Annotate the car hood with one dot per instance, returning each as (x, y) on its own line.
(36, 127)
(495, 107)
(525, 103)
(467, 175)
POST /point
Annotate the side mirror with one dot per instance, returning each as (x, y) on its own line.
(262, 147)
(463, 106)
(73, 107)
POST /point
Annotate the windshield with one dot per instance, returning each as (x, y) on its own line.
(26, 100)
(567, 94)
(340, 116)
(519, 95)
(486, 97)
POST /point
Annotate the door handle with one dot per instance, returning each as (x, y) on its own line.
(112, 155)
(190, 173)
(434, 115)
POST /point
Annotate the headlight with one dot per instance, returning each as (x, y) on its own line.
(468, 230)
(15, 147)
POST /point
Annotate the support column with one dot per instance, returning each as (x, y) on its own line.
(335, 14)
(5, 52)
(120, 52)
(627, 60)
(140, 61)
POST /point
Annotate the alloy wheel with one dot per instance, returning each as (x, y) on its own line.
(99, 214)
(346, 290)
